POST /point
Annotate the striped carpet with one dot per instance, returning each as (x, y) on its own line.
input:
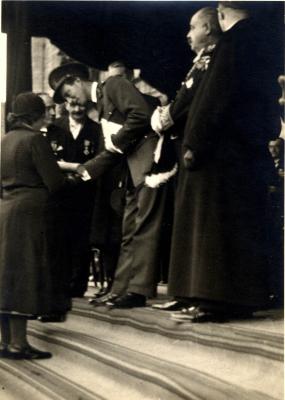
(141, 354)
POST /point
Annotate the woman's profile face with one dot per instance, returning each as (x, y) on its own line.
(39, 123)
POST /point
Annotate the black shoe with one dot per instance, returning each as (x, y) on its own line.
(26, 353)
(128, 300)
(102, 292)
(101, 301)
(52, 318)
(173, 305)
(196, 314)
(98, 295)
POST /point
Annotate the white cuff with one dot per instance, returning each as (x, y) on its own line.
(110, 146)
(165, 118)
(156, 121)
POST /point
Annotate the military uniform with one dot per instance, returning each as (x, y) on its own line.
(125, 117)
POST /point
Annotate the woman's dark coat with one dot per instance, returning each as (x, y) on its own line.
(31, 268)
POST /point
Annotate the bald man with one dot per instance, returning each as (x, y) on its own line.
(219, 258)
(204, 33)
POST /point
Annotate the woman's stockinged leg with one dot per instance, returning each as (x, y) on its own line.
(19, 347)
(5, 330)
(18, 332)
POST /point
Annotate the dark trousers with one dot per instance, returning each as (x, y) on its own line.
(77, 213)
(79, 252)
(145, 218)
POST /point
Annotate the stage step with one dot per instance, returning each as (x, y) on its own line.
(261, 336)
(141, 354)
(26, 380)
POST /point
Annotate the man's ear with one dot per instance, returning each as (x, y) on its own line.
(207, 28)
(221, 15)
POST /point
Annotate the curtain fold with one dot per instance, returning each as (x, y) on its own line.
(19, 69)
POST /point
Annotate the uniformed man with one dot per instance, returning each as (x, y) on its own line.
(125, 118)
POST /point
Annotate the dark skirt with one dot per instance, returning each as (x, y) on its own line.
(32, 266)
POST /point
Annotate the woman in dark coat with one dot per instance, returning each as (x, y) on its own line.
(28, 253)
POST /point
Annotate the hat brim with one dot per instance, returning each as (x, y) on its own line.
(59, 75)
(57, 97)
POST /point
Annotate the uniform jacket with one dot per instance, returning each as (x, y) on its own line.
(125, 115)
(85, 146)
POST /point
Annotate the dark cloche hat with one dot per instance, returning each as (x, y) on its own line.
(58, 76)
(28, 103)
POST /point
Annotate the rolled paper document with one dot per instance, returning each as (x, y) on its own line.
(68, 166)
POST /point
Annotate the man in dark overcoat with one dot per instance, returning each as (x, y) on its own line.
(219, 256)
(125, 119)
(169, 121)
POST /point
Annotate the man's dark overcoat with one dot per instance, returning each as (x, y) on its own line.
(220, 247)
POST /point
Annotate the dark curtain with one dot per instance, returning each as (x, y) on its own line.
(19, 74)
(150, 35)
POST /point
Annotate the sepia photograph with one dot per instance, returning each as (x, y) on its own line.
(142, 200)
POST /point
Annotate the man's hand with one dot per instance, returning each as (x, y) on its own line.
(83, 173)
(189, 159)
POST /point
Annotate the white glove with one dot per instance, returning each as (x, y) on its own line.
(155, 120)
(68, 166)
(110, 146)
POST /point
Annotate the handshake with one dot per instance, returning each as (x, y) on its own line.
(68, 166)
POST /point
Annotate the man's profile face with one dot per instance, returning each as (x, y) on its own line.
(197, 35)
(74, 92)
